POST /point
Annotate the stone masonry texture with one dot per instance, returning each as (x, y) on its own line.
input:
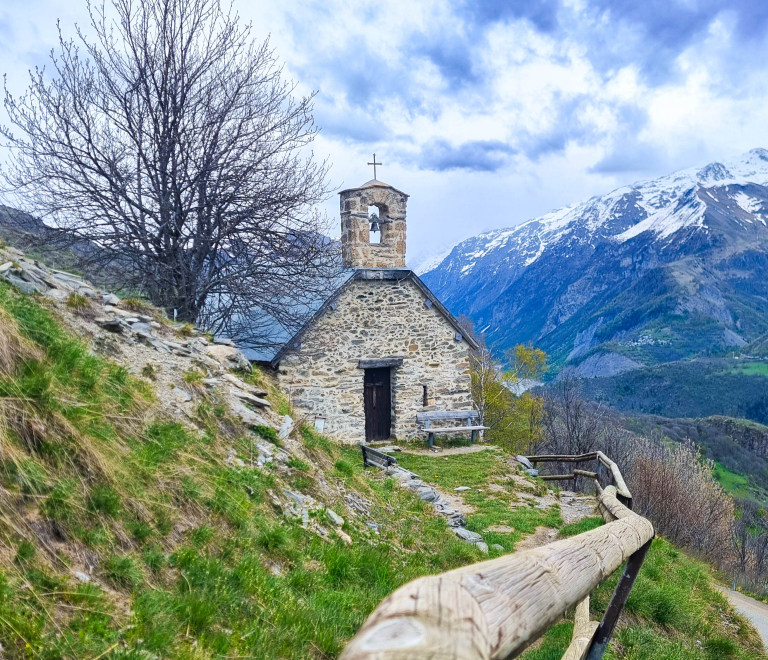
(375, 319)
(357, 250)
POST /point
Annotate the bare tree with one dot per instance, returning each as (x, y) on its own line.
(572, 424)
(168, 151)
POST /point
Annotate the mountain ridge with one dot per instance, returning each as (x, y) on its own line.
(620, 276)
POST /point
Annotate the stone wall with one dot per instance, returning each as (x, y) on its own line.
(356, 248)
(376, 319)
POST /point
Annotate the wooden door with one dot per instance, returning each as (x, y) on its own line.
(378, 404)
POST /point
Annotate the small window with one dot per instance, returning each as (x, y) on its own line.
(425, 400)
(373, 219)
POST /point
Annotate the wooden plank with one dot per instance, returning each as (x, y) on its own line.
(557, 477)
(377, 458)
(618, 480)
(446, 414)
(585, 473)
(455, 429)
(583, 631)
(562, 458)
(493, 610)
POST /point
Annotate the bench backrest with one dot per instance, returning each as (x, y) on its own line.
(372, 456)
(446, 414)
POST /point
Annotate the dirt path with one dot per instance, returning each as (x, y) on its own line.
(754, 610)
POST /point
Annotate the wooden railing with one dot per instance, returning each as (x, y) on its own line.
(495, 609)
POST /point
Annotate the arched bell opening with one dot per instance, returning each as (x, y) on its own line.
(374, 225)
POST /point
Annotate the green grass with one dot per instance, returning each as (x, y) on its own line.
(584, 525)
(735, 484)
(673, 612)
(491, 493)
(749, 368)
(195, 559)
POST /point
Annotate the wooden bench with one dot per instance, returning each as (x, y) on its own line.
(376, 458)
(440, 415)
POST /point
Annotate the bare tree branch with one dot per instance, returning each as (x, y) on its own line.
(168, 151)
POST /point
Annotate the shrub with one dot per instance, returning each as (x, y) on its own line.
(123, 571)
(148, 371)
(136, 305)
(720, 647)
(25, 552)
(193, 377)
(272, 538)
(268, 433)
(298, 464)
(141, 530)
(343, 467)
(104, 499)
(78, 302)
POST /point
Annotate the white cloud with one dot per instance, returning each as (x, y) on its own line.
(582, 107)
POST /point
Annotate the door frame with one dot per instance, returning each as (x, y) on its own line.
(372, 429)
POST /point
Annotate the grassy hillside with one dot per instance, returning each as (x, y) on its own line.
(673, 612)
(128, 532)
(693, 388)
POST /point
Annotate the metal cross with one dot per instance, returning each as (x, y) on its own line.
(374, 163)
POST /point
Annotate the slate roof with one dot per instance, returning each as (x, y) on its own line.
(351, 275)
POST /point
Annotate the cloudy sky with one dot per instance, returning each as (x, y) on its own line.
(490, 112)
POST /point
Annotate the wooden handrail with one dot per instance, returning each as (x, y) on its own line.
(618, 480)
(494, 609)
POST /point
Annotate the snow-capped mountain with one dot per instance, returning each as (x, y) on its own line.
(653, 271)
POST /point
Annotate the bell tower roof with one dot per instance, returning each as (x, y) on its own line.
(374, 183)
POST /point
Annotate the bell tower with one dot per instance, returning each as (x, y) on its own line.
(373, 226)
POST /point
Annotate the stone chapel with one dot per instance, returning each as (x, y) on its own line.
(382, 347)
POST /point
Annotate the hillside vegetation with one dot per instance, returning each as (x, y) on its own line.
(132, 529)
(691, 388)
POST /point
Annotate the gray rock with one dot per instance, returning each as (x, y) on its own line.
(427, 494)
(461, 489)
(286, 428)
(245, 396)
(299, 499)
(456, 520)
(524, 462)
(482, 547)
(304, 518)
(336, 519)
(112, 325)
(160, 346)
(6, 266)
(87, 291)
(27, 288)
(389, 449)
(374, 526)
(245, 414)
(132, 320)
(533, 472)
(496, 546)
(57, 294)
(223, 341)
(144, 328)
(110, 299)
(229, 356)
(82, 576)
(470, 537)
